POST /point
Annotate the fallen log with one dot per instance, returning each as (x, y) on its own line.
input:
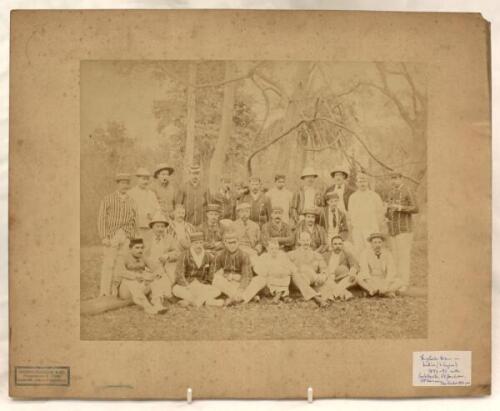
(102, 304)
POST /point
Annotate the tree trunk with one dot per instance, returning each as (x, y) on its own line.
(217, 163)
(190, 119)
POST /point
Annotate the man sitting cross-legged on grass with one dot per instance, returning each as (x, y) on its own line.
(274, 270)
(377, 269)
(231, 269)
(135, 279)
(311, 272)
(193, 285)
(343, 269)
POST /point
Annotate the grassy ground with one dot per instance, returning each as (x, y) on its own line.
(401, 317)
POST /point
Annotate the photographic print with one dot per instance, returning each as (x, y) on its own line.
(251, 200)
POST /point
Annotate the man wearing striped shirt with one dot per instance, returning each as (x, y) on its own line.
(116, 226)
(401, 205)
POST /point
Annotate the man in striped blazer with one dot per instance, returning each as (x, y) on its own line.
(116, 225)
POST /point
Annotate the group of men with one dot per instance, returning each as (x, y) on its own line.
(163, 244)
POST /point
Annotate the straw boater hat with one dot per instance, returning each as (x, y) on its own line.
(197, 236)
(242, 206)
(331, 194)
(312, 211)
(158, 218)
(142, 172)
(277, 208)
(195, 168)
(308, 171)
(122, 177)
(376, 235)
(340, 169)
(161, 167)
(213, 207)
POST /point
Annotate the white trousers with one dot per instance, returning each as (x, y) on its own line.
(117, 245)
(401, 250)
(196, 293)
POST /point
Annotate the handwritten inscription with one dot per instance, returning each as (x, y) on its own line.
(442, 368)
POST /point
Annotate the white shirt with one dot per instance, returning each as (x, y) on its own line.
(198, 258)
(334, 262)
(147, 203)
(366, 210)
(281, 198)
(309, 197)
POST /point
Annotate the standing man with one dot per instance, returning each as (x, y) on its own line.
(194, 197)
(401, 205)
(332, 218)
(231, 270)
(225, 198)
(318, 237)
(281, 197)
(340, 176)
(277, 230)
(377, 273)
(146, 201)
(366, 214)
(246, 231)
(260, 205)
(307, 196)
(212, 230)
(193, 282)
(116, 225)
(164, 189)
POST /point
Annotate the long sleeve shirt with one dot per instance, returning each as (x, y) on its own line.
(260, 207)
(212, 236)
(319, 240)
(343, 258)
(304, 198)
(334, 221)
(163, 247)
(248, 232)
(194, 199)
(381, 266)
(166, 197)
(181, 231)
(400, 220)
(307, 259)
(234, 263)
(189, 269)
(117, 211)
(281, 198)
(280, 232)
(366, 211)
(147, 205)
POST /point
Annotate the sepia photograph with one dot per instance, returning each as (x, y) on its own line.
(253, 200)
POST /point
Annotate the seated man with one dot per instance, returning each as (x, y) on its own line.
(274, 270)
(342, 270)
(316, 233)
(278, 230)
(179, 228)
(211, 229)
(193, 285)
(162, 252)
(247, 231)
(231, 269)
(134, 278)
(311, 270)
(377, 273)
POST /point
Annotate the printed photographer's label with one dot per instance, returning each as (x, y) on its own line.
(30, 376)
(441, 368)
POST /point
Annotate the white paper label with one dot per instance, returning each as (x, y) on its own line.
(441, 368)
